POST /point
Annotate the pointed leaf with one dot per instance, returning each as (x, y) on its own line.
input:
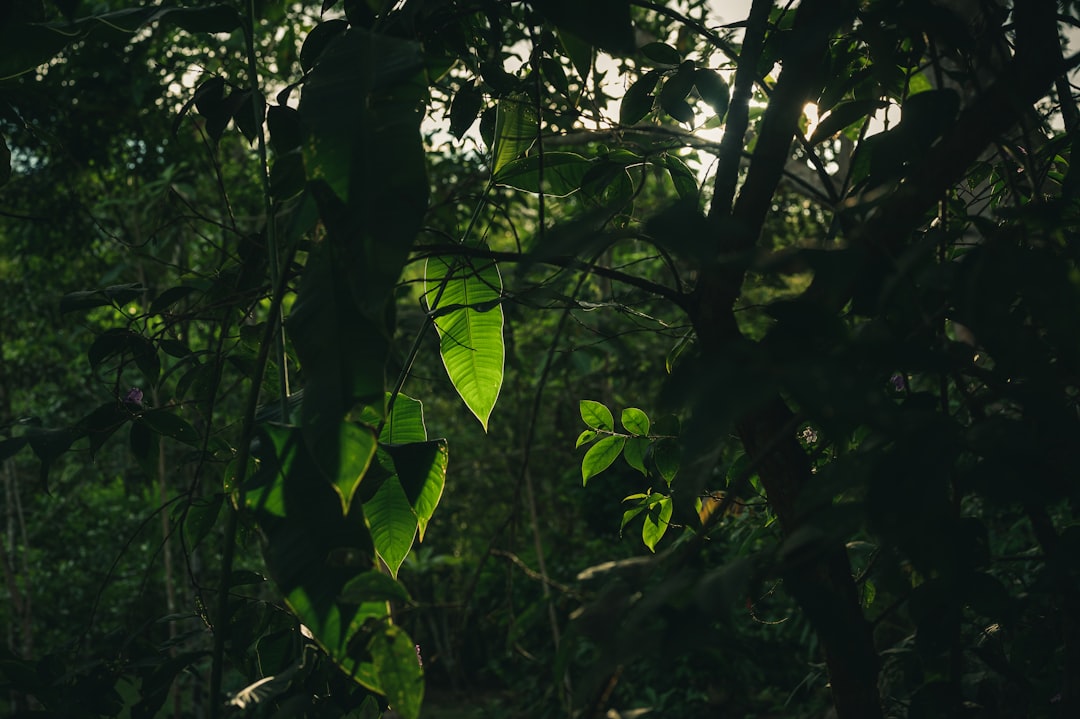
(657, 521)
(515, 131)
(600, 456)
(469, 317)
(393, 523)
(421, 469)
(354, 446)
(464, 109)
(585, 437)
(637, 101)
(713, 90)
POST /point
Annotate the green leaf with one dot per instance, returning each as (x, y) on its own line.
(113, 295)
(400, 676)
(393, 523)
(629, 515)
(635, 421)
(515, 131)
(317, 41)
(673, 93)
(685, 181)
(469, 317)
(344, 456)
(713, 90)
(657, 521)
(662, 54)
(405, 423)
(596, 415)
(600, 456)
(421, 469)
(666, 456)
(634, 453)
(312, 550)
(844, 114)
(373, 587)
(167, 423)
(563, 173)
(637, 101)
(464, 109)
(585, 437)
(580, 53)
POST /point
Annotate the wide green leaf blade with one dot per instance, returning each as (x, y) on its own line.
(393, 523)
(400, 675)
(515, 131)
(421, 469)
(635, 421)
(596, 415)
(600, 456)
(405, 423)
(354, 444)
(563, 173)
(469, 317)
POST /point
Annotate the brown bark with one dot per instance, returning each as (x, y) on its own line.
(822, 583)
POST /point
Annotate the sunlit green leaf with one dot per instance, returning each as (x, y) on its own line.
(635, 421)
(563, 173)
(600, 456)
(596, 415)
(657, 521)
(393, 523)
(585, 437)
(469, 317)
(405, 423)
(421, 469)
(515, 131)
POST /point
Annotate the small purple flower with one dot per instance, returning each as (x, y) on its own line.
(134, 397)
(418, 659)
(898, 382)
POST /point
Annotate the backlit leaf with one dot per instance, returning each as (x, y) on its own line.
(393, 523)
(563, 173)
(596, 415)
(635, 421)
(469, 317)
(657, 521)
(600, 456)
(515, 131)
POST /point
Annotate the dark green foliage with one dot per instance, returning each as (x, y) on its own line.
(823, 379)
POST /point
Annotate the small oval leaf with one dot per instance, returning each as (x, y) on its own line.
(635, 421)
(596, 415)
(600, 456)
